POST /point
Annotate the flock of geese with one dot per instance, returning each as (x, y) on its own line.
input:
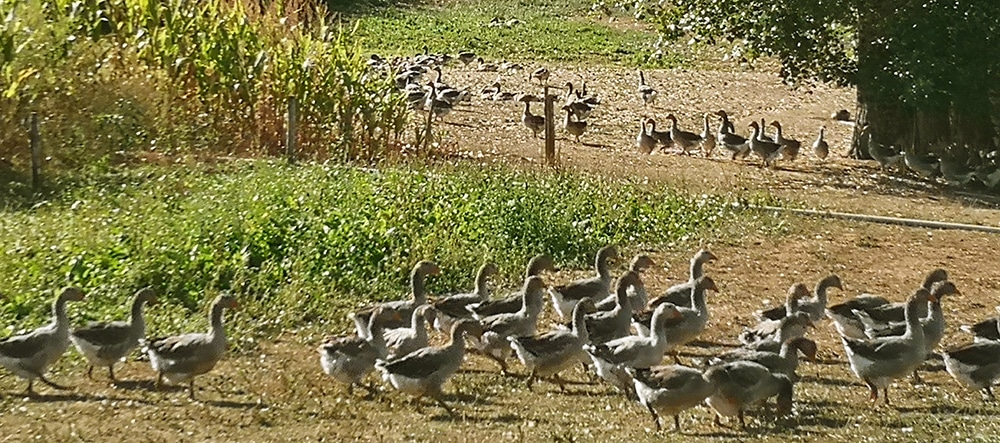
(615, 329)
(953, 165)
(612, 327)
(440, 98)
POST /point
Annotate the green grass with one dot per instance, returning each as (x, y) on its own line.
(297, 242)
(546, 31)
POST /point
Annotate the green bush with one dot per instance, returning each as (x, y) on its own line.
(300, 243)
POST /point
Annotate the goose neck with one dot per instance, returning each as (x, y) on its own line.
(419, 288)
(217, 330)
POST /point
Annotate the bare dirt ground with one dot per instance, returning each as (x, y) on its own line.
(273, 389)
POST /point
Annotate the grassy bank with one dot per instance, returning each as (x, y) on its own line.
(298, 243)
(509, 29)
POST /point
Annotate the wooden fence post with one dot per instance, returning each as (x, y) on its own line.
(550, 128)
(292, 129)
(35, 138)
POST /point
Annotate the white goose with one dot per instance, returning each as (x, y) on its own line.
(29, 355)
(181, 358)
(104, 344)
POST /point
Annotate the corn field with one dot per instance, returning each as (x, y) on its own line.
(116, 81)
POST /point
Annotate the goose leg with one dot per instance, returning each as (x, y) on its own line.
(916, 378)
(437, 397)
(677, 423)
(873, 395)
(559, 381)
(31, 388)
(159, 381)
(885, 393)
(743, 423)
(50, 383)
(531, 379)
(111, 372)
(656, 418)
(90, 372)
(191, 388)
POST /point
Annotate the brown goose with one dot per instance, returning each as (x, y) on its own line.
(670, 390)
(513, 302)
(789, 147)
(348, 359)
(792, 326)
(740, 384)
(455, 307)
(423, 372)
(880, 361)
(609, 325)
(816, 306)
(104, 344)
(536, 123)
(564, 297)
(634, 351)
(707, 139)
(768, 329)
(180, 358)
(785, 361)
(646, 92)
(644, 141)
(682, 139)
(637, 295)
(547, 354)
(734, 143)
(29, 355)
(402, 341)
(767, 151)
(397, 314)
(975, 365)
(574, 128)
(820, 148)
(680, 294)
(877, 307)
(524, 322)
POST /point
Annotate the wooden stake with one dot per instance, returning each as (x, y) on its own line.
(291, 129)
(550, 128)
(35, 138)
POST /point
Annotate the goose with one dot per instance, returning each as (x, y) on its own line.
(348, 359)
(536, 123)
(29, 355)
(611, 357)
(888, 157)
(792, 326)
(609, 325)
(927, 165)
(670, 390)
(486, 67)
(423, 372)
(580, 109)
(986, 330)
(878, 307)
(402, 341)
(694, 319)
(513, 301)
(975, 366)
(542, 74)
(455, 307)
(662, 137)
(766, 150)
(735, 144)
(589, 99)
(397, 313)
(547, 354)
(643, 140)
(104, 344)
(683, 139)
(820, 148)
(637, 295)
(680, 294)
(785, 361)
(740, 384)
(777, 313)
(596, 287)
(789, 147)
(490, 92)
(880, 361)
(646, 92)
(435, 105)
(575, 128)
(815, 307)
(466, 57)
(707, 139)
(180, 358)
(524, 322)
(767, 330)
